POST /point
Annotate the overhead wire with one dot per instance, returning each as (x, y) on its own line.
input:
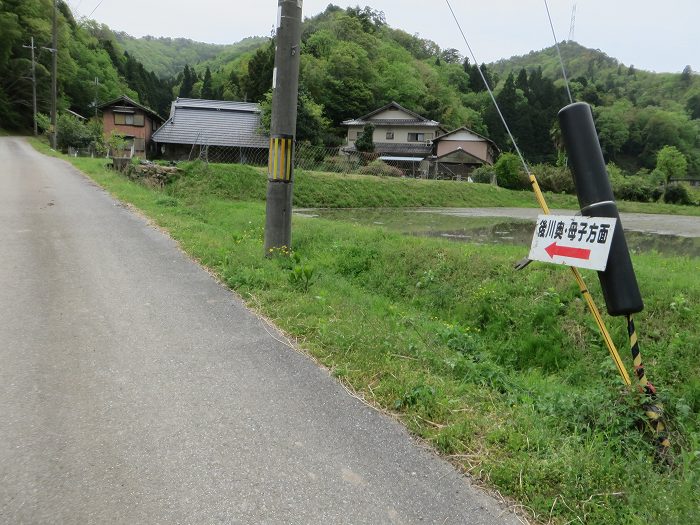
(98, 5)
(595, 312)
(561, 60)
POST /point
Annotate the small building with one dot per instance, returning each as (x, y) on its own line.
(459, 152)
(221, 131)
(399, 133)
(136, 122)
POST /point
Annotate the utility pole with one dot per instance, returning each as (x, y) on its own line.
(285, 85)
(54, 80)
(36, 131)
(97, 92)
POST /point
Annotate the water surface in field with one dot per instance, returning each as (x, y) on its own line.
(488, 230)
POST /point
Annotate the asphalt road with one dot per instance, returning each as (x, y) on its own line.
(136, 389)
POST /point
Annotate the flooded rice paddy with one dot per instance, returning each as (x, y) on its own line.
(513, 226)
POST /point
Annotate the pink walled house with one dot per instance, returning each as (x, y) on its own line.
(459, 152)
(470, 142)
(136, 122)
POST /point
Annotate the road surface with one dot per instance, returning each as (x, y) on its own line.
(136, 389)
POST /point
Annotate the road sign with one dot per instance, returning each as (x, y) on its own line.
(583, 242)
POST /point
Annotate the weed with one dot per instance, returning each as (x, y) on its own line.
(301, 276)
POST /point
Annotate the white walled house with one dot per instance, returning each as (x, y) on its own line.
(398, 132)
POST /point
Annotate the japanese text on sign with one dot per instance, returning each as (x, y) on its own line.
(574, 241)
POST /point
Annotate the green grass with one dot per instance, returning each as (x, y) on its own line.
(328, 190)
(502, 372)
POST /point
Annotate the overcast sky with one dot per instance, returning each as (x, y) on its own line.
(652, 35)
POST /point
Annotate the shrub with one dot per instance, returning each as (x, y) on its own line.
(556, 179)
(633, 188)
(677, 194)
(381, 168)
(509, 172)
(72, 133)
(483, 174)
(339, 164)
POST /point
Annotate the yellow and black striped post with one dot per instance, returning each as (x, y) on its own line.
(653, 409)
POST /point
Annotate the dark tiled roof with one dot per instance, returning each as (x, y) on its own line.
(384, 148)
(416, 120)
(213, 123)
(131, 102)
(393, 122)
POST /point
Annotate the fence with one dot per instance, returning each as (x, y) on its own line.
(83, 152)
(339, 160)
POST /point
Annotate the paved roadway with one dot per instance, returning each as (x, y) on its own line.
(136, 389)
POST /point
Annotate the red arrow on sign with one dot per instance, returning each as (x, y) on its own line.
(566, 251)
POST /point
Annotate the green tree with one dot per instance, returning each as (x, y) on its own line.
(261, 66)
(687, 76)
(671, 163)
(207, 90)
(693, 106)
(508, 168)
(613, 130)
(72, 132)
(365, 142)
(189, 77)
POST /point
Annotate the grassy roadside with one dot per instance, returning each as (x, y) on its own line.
(502, 372)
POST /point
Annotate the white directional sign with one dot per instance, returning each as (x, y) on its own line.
(583, 242)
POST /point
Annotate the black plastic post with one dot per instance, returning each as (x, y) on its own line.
(595, 197)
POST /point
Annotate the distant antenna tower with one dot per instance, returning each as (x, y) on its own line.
(572, 28)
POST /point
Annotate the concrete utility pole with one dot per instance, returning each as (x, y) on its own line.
(285, 84)
(54, 80)
(36, 131)
(97, 93)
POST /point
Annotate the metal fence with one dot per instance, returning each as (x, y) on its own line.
(338, 160)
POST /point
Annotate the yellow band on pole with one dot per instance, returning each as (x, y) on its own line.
(280, 159)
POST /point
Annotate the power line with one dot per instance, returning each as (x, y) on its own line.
(490, 91)
(98, 5)
(561, 60)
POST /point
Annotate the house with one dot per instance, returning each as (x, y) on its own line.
(459, 152)
(399, 133)
(220, 130)
(136, 122)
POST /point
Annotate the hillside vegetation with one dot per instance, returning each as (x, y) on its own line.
(166, 57)
(86, 51)
(353, 62)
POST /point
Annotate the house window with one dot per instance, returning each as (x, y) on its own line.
(357, 134)
(389, 135)
(139, 144)
(416, 137)
(129, 119)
